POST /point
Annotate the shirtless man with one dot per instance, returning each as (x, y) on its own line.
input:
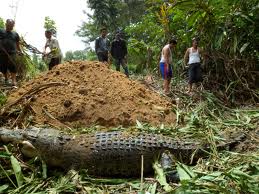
(192, 57)
(166, 63)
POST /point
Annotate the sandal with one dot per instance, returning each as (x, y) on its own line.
(14, 86)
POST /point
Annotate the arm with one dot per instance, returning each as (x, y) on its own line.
(166, 55)
(96, 45)
(46, 46)
(125, 49)
(108, 45)
(186, 57)
(18, 43)
(112, 49)
(18, 46)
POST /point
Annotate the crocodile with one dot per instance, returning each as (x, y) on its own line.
(107, 154)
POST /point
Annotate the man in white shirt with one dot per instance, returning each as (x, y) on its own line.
(192, 57)
(54, 55)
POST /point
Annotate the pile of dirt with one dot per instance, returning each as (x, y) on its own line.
(81, 94)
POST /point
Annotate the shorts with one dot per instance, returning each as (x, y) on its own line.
(54, 62)
(195, 74)
(8, 63)
(166, 70)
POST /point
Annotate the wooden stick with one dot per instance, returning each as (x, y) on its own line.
(142, 172)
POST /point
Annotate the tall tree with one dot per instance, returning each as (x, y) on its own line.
(105, 12)
(113, 14)
(50, 24)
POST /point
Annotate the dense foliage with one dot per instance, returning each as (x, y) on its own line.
(1, 23)
(112, 14)
(50, 24)
(75, 55)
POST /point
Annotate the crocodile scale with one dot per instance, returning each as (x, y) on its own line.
(111, 154)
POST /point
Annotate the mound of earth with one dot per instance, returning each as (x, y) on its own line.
(82, 94)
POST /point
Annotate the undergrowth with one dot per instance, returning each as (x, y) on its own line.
(204, 118)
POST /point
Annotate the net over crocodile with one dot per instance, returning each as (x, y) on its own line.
(110, 154)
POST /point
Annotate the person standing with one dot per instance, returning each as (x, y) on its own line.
(54, 55)
(9, 47)
(166, 63)
(102, 46)
(192, 57)
(119, 53)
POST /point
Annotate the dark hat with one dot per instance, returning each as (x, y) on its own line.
(10, 21)
(48, 31)
(196, 38)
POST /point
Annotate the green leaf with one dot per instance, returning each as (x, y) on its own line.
(244, 47)
(3, 188)
(7, 151)
(139, 125)
(4, 155)
(241, 174)
(17, 171)
(162, 126)
(185, 173)
(44, 169)
(235, 44)
(211, 176)
(152, 188)
(160, 177)
(193, 18)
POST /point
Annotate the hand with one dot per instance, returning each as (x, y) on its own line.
(125, 59)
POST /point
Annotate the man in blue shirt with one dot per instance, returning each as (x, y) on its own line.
(102, 46)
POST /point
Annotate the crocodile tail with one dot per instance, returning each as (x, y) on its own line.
(190, 153)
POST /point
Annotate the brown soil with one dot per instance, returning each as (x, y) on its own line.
(93, 94)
